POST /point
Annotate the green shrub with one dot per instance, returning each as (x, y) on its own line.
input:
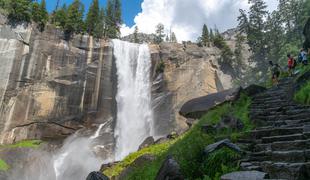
(303, 95)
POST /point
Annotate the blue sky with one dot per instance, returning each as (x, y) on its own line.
(130, 8)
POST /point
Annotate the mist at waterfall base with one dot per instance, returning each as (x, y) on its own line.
(77, 158)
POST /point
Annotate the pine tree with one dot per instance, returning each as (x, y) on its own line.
(19, 10)
(211, 35)
(92, 19)
(159, 33)
(173, 38)
(39, 14)
(74, 21)
(135, 34)
(99, 28)
(205, 36)
(113, 19)
(59, 17)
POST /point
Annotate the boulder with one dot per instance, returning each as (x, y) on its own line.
(218, 145)
(170, 170)
(253, 90)
(196, 108)
(230, 122)
(245, 175)
(147, 142)
(97, 176)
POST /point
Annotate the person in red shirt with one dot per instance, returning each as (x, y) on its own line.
(290, 64)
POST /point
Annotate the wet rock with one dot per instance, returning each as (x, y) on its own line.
(253, 90)
(230, 122)
(170, 170)
(107, 166)
(218, 145)
(97, 176)
(245, 175)
(196, 108)
(147, 142)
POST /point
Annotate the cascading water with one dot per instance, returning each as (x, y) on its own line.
(134, 112)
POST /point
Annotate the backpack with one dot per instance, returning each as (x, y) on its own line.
(300, 57)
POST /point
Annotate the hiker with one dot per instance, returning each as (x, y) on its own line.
(303, 56)
(290, 64)
(275, 70)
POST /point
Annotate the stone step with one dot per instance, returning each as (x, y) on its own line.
(290, 145)
(291, 137)
(257, 134)
(279, 112)
(289, 123)
(290, 171)
(281, 156)
(283, 117)
(270, 104)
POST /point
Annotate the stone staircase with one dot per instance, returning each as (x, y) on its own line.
(280, 145)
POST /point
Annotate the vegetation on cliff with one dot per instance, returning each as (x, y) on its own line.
(188, 148)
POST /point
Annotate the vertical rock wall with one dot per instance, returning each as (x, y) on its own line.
(49, 87)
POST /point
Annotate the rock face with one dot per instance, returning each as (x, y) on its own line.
(49, 87)
(96, 176)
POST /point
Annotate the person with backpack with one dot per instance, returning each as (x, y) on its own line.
(290, 64)
(304, 57)
(275, 70)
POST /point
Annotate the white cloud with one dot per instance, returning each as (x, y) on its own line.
(186, 17)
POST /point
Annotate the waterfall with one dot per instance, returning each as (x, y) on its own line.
(134, 113)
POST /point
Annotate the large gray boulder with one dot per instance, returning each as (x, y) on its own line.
(245, 175)
(196, 108)
(170, 170)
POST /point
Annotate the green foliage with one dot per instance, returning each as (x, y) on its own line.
(160, 67)
(93, 17)
(39, 14)
(59, 17)
(19, 10)
(24, 144)
(113, 19)
(220, 162)
(187, 149)
(3, 165)
(205, 39)
(303, 95)
(159, 33)
(74, 21)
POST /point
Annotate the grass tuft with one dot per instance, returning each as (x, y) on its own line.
(3, 165)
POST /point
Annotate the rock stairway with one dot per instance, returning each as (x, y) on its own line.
(280, 145)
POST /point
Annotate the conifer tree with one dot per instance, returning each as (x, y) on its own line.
(113, 19)
(60, 17)
(135, 34)
(19, 10)
(40, 14)
(173, 38)
(205, 35)
(99, 28)
(92, 19)
(159, 33)
(211, 36)
(74, 21)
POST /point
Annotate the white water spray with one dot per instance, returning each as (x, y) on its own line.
(134, 113)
